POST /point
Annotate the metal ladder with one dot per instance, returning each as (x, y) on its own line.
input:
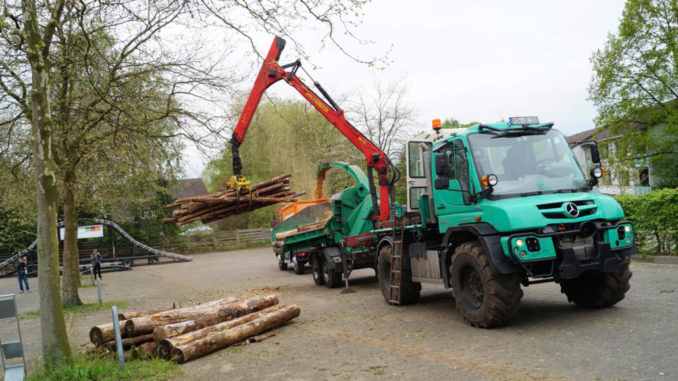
(396, 276)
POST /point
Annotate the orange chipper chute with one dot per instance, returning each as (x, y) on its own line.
(270, 73)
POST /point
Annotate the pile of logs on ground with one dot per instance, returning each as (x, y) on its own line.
(215, 206)
(190, 332)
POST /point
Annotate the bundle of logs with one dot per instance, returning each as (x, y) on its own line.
(190, 332)
(215, 206)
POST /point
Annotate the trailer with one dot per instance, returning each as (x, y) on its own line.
(318, 233)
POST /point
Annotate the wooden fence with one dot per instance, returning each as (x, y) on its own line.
(211, 241)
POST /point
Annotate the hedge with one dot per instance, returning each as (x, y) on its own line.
(655, 219)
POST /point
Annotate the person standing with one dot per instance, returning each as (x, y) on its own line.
(96, 263)
(22, 275)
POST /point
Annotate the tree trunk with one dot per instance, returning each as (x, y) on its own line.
(130, 341)
(146, 324)
(135, 314)
(166, 347)
(145, 351)
(233, 335)
(71, 257)
(55, 347)
(102, 333)
(231, 311)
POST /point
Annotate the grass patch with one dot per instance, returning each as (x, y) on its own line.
(85, 367)
(86, 307)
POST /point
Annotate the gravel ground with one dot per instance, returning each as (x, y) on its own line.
(359, 337)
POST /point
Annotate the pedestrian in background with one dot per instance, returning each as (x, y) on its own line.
(96, 263)
(22, 275)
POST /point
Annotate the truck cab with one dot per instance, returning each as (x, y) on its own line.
(508, 203)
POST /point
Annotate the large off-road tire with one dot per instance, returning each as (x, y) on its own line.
(410, 290)
(281, 263)
(331, 277)
(485, 297)
(595, 289)
(298, 266)
(317, 270)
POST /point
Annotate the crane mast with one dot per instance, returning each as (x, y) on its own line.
(272, 72)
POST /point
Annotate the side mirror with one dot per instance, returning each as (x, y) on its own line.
(595, 153)
(442, 167)
(442, 183)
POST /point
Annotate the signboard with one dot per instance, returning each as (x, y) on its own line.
(91, 231)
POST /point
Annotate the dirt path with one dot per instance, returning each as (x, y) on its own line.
(358, 336)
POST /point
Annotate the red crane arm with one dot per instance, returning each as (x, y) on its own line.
(270, 73)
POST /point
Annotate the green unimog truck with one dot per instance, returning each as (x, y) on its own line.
(490, 208)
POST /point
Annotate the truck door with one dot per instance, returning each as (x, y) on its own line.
(451, 179)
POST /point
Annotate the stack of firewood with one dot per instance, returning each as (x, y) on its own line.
(215, 206)
(190, 332)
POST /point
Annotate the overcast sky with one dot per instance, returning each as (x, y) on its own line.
(471, 60)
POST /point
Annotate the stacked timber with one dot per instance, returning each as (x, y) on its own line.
(215, 206)
(190, 332)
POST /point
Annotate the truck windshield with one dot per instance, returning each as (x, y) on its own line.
(528, 164)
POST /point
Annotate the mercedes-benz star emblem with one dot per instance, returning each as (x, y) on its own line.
(572, 209)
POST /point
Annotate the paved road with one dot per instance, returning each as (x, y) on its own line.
(358, 336)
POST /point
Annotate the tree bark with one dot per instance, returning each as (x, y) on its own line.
(166, 347)
(145, 350)
(55, 347)
(228, 312)
(71, 256)
(146, 324)
(135, 314)
(102, 333)
(233, 335)
(130, 341)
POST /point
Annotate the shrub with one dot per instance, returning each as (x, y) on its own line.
(655, 218)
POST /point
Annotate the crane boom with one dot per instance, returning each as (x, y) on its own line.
(270, 73)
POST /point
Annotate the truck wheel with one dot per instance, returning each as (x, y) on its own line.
(595, 289)
(331, 278)
(317, 271)
(298, 267)
(485, 297)
(410, 290)
(281, 263)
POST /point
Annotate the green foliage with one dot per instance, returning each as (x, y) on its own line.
(655, 219)
(635, 87)
(453, 123)
(84, 367)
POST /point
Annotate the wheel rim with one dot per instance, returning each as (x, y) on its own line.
(472, 286)
(316, 272)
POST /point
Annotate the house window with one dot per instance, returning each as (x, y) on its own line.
(644, 176)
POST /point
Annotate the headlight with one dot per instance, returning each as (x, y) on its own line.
(519, 242)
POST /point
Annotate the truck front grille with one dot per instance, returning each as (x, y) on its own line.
(555, 210)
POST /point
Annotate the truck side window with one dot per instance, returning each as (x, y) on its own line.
(416, 162)
(461, 170)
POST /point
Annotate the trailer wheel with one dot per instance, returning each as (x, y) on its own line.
(410, 290)
(298, 267)
(595, 289)
(281, 263)
(485, 297)
(317, 270)
(331, 278)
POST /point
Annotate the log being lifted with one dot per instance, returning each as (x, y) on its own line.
(219, 205)
(102, 333)
(166, 346)
(222, 339)
(227, 312)
(145, 324)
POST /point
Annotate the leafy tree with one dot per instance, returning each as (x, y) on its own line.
(635, 86)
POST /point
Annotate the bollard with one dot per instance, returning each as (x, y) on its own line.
(99, 290)
(118, 339)
(91, 274)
